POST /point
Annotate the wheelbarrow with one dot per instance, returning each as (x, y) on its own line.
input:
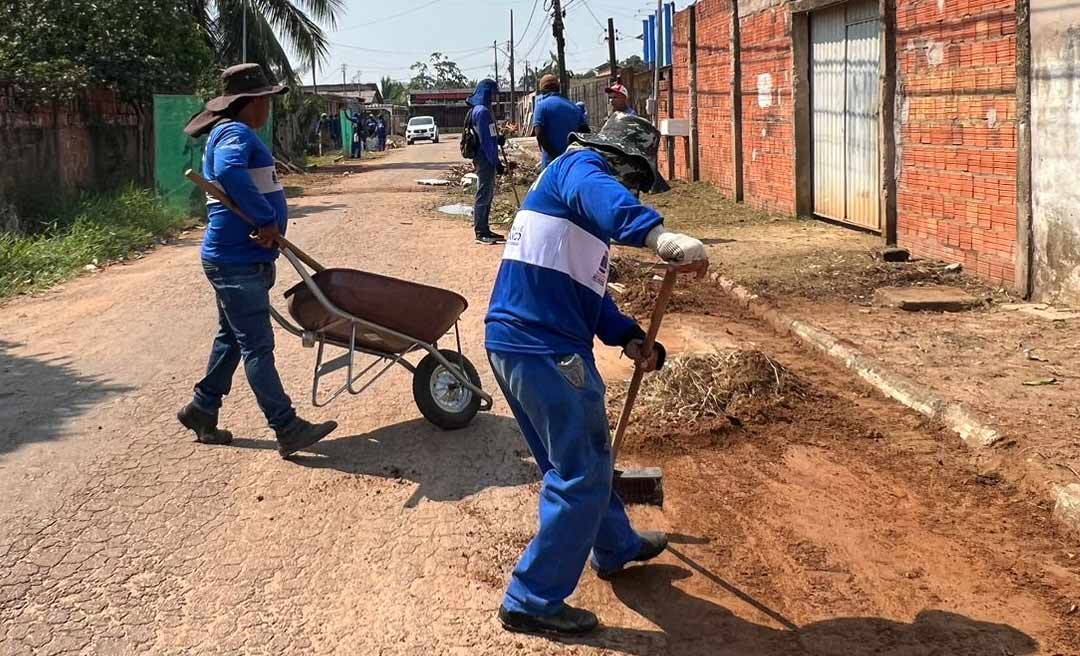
(369, 315)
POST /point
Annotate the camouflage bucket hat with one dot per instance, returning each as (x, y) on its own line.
(633, 137)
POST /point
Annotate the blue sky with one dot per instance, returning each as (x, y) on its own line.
(385, 38)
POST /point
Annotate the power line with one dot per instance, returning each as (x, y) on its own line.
(390, 17)
(408, 52)
(528, 23)
(602, 26)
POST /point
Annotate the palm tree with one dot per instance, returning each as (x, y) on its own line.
(392, 91)
(274, 28)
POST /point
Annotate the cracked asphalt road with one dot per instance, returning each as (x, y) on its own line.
(119, 535)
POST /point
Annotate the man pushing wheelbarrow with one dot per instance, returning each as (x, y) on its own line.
(241, 269)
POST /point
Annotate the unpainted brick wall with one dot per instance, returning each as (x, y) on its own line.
(768, 119)
(768, 110)
(956, 90)
(956, 121)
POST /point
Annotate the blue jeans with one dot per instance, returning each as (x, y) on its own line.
(357, 149)
(485, 193)
(559, 405)
(244, 332)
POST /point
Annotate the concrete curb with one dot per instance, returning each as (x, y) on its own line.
(973, 427)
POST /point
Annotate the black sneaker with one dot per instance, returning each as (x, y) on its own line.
(653, 544)
(496, 236)
(301, 434)
(204, 425)
(568, 621)
(486, 239)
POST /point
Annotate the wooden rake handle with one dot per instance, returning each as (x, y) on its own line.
(671, 274)
(223, 198)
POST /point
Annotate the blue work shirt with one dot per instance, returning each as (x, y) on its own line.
(484, 122)
(238, 162)
(550, 295)
(558, 117)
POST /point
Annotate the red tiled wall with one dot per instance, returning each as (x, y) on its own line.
(956, 70)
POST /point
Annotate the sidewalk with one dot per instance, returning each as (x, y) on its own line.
(1016, 366)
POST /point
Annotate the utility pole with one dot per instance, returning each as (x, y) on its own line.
(315, 88)
(560, 45)
(344, 84)
(243, 32)
(613, 63)
(495, 47)
(513, 79)
(656, 63)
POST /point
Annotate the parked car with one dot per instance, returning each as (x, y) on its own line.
(421, 127)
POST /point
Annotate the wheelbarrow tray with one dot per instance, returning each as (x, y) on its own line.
(421, 312)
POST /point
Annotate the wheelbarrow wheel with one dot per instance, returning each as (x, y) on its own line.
(440, 396)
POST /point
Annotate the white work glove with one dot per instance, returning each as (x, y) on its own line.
(674, 247)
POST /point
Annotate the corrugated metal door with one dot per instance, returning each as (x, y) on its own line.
(844, 63)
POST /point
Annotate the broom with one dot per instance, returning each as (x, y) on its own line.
(646, 485)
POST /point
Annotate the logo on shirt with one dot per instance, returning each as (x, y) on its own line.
(515, 235)
(600, 277)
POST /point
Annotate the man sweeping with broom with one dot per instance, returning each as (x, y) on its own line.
(549, 303)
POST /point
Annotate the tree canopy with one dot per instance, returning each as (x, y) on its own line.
(55, 48)
(273, 28)
(439, 72)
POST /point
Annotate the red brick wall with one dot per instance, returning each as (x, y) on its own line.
(768, 131)
(714, 93)
(768, 110)
(956, 121)
(956, 73)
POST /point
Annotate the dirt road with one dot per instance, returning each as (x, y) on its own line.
(848, 529)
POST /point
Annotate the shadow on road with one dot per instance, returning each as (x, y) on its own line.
(446, 465)
(301, 210)
(39, 394)
(692, 626)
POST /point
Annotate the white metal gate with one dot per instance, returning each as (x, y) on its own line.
(845, 55)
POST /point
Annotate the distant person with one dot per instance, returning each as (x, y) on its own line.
(239, 262)
(359, 135)
(380, 133)
(372, 128)
(554, 119)
(486, 159)
(619, 97)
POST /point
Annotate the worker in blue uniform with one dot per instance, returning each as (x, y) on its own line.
(239, 262)
(554, 119)
(486, 161)
(549, 303)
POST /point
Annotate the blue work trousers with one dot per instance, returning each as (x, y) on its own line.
(244, 333)
(485, 193)
(559, 404)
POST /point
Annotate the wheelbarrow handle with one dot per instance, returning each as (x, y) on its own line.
(224, 199)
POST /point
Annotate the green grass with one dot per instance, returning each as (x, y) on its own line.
(97, 228)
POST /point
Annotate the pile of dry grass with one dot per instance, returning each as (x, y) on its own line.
(707, 385)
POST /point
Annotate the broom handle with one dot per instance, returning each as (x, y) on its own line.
(662, 299)
(223, 198)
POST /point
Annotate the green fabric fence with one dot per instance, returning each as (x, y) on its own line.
(175, 152)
